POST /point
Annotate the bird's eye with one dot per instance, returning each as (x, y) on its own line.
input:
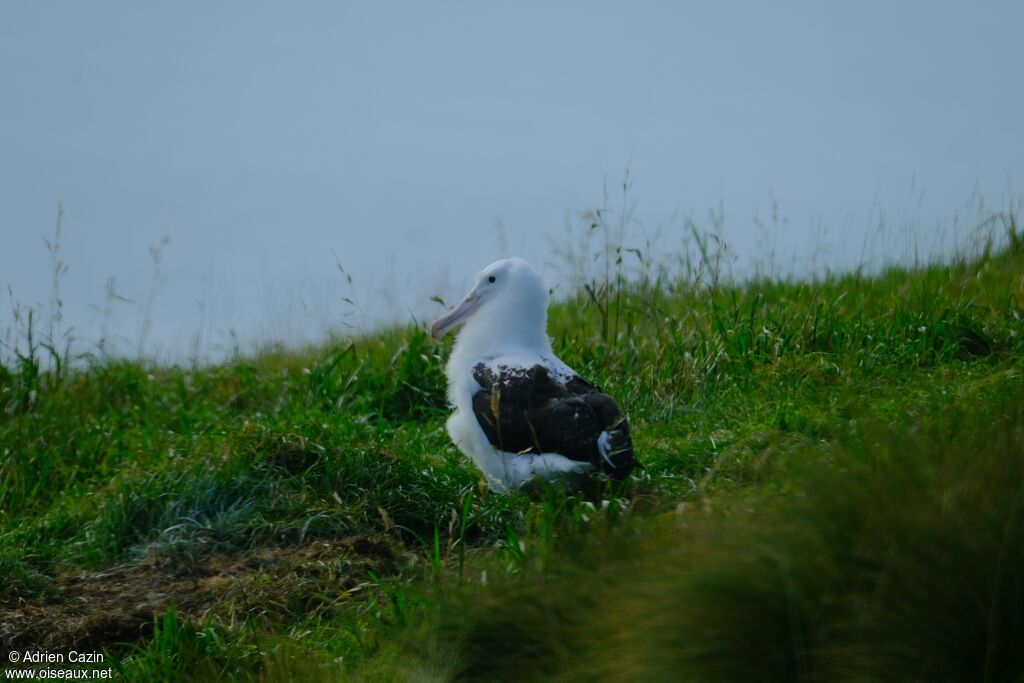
(491, 279)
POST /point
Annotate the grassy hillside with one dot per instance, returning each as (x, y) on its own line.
(834, 489)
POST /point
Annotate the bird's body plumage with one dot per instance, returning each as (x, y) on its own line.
(519, 411)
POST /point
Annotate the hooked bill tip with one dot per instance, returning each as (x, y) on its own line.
(455, 316)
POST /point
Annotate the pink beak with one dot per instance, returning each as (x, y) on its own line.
(455, 316)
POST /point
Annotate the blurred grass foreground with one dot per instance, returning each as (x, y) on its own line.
(834, 490)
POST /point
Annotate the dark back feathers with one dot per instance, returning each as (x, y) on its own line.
(525, 410)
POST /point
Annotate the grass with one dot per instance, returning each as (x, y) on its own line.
(832, 491)
(900, 564)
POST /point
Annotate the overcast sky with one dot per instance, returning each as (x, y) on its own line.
(272, 141)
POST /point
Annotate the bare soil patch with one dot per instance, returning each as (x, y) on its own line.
(118, 605)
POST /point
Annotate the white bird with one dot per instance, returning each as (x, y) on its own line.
(519, 411)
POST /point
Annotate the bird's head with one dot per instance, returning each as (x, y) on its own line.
(508, 298)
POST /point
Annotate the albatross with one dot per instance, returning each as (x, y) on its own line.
(519, 412)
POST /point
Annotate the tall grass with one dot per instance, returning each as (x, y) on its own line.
(817, 452)
(903, 560)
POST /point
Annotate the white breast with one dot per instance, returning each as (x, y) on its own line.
(502, 470)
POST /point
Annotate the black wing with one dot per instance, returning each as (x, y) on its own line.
(525, 410)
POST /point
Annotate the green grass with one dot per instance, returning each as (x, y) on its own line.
(901, 562)
(832, 490)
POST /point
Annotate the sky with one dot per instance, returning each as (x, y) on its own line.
(264, 151)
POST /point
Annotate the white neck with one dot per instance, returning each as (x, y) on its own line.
(515, 324)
